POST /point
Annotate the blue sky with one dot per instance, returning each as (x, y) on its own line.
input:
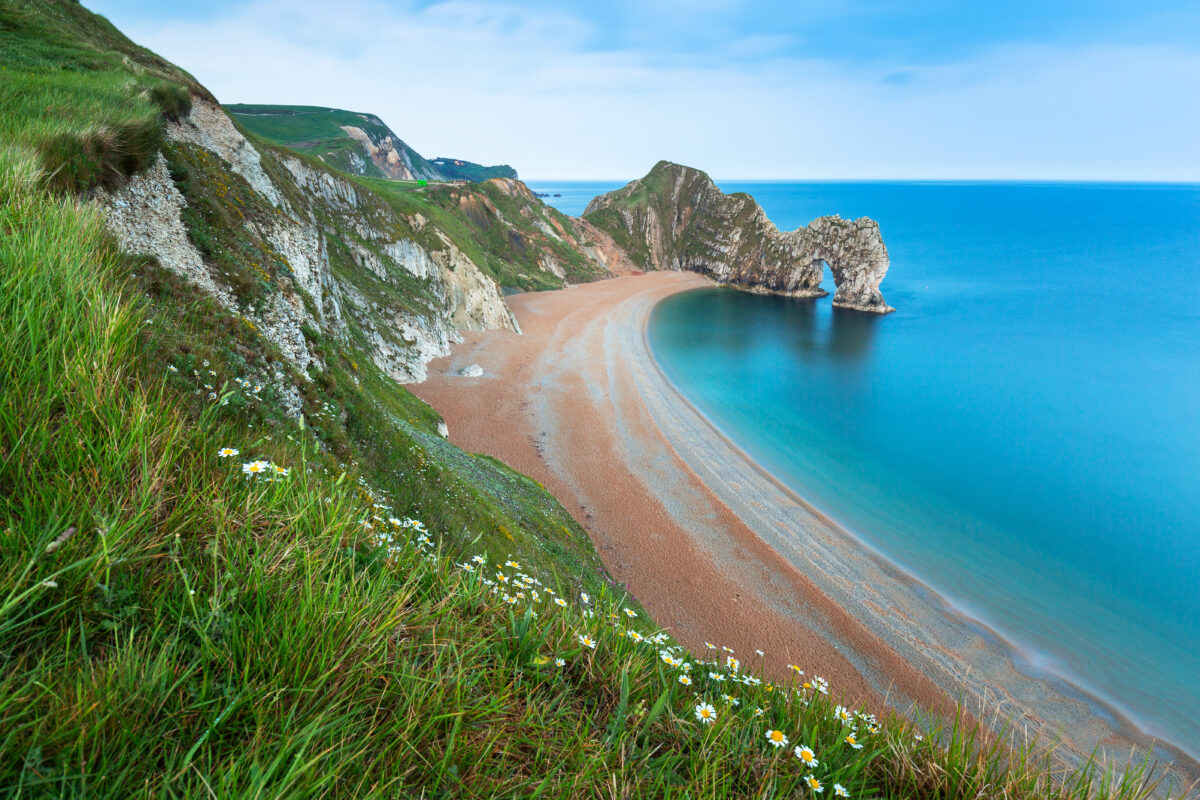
(852, 89)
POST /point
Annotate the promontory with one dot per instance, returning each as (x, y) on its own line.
(676, 218)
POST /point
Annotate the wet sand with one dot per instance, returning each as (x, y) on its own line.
(713, 546)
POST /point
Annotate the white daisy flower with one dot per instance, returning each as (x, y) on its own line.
(807, 755)
(706, 713)
(777, 739)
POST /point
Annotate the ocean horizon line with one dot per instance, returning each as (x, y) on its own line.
(938, 181)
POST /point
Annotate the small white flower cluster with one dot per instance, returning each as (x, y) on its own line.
(250, 386)
(268, 471)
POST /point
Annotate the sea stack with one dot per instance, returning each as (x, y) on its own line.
(676, 218)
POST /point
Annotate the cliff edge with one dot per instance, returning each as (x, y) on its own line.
(676, 218)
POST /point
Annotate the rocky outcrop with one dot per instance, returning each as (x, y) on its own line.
(393, 161)
(676, 218)
(602, 248)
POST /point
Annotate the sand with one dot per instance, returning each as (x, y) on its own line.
(713, 546)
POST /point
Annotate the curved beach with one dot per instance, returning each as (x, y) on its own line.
(716, 548)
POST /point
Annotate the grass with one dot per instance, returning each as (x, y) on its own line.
(318, 132)
(457, 169)
(79, 96)
(291, 124)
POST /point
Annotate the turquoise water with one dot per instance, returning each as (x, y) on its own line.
(1023, 434)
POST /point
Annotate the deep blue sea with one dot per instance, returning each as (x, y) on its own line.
(1022, 434)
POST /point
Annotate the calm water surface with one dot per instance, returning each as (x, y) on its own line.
(1023, 434)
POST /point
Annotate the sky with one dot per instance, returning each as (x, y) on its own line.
(828, 89)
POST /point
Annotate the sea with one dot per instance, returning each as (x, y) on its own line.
(1022, 435)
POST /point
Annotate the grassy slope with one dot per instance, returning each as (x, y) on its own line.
(79, 96)
(169, 627)
(495, 231)
(317, 130)
(457, 169)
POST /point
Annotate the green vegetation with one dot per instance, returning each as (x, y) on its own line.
(455, 169)
(291, 124)
(319, 132)
(498, 232)
(304, 617)
(80, 97)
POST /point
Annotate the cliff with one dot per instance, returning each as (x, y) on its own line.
(284, 242)
(676, 218)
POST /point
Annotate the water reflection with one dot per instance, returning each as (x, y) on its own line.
(791, 329)
(852, 333)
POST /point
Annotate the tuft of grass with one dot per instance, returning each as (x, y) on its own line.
(80, 97)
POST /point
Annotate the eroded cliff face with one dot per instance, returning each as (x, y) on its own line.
(316, 251)
(676, 218)
(392, 157)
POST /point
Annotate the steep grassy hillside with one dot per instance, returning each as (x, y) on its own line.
(514, 237)
(80, 97)
(330, 135)
(234, 564)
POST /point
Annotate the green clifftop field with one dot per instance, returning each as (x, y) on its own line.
(360, 144)
(237, 557)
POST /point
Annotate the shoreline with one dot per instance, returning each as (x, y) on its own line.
(1022, 659)
(783, 574)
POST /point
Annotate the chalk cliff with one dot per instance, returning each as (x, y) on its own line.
(296, 250)
(676, 218)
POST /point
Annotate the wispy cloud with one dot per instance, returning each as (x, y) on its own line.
(539, 88)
